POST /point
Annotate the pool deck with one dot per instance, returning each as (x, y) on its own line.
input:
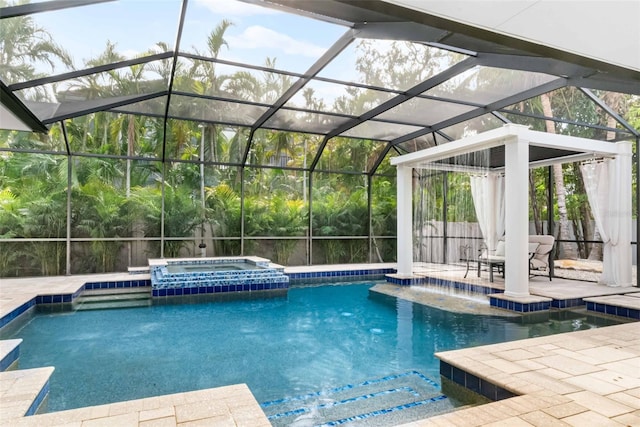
(585, 378)
(223, 406)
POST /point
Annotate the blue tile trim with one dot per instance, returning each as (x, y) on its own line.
(474, 383)
(382, 411)
(304, 410)
(38, 400)
(435, 281)
(215, 289)
(118, 284)
(519, 307)
(68, 298)
(567, 303)
(7, 318)
(365, 273)
(629, 313)
(349, 387)
(9, 358)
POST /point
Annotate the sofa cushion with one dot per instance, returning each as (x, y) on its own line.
(545, 245)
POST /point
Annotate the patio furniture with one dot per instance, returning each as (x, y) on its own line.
(466, 257)
(543, 255)
(491, 261)
(539, 256)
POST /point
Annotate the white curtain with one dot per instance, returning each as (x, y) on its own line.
(488, 200)
(605, 187)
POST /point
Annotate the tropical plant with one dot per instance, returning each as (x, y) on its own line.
(288, 218)
(23, 45)
(98, 212)
(224, 217)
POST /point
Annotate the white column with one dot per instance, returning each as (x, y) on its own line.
(405, 221)
(517, 217)
(621, 187)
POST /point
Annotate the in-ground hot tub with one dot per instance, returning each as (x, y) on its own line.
(195, 276)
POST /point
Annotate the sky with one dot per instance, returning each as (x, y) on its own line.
(136, 25)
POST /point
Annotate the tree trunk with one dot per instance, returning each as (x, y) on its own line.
(537, 220)
(565, 249)
(585, 213)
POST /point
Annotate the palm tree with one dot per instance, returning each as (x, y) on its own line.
(99, 214)
(566, 248)
(23, 45)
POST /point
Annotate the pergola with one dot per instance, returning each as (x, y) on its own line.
(515, 143)
(483, 37)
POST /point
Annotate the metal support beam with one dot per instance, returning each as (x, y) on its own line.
(609, 111)
(551, 229)
(183, 13)
(559, 120)
(31, 8)
(322, 62)
(637, 211)
(500, 117)
(450, 72)
(69, 184)
(15, 106)
(103, 107)
(242, 210)
(380, 159)
(88, 71)
(195, 57)
(369, 218)
(310, 232)
(66, 138)
(535, 91)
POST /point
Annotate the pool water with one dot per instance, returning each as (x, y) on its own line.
(318, 338)
(188, 268)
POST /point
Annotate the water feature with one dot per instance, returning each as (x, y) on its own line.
(446, 226)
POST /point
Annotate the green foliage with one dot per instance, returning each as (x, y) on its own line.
(181, 218)
(338, 213)
(113, 199)
(98, 213)
(224, 217)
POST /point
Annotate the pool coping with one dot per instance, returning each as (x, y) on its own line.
(222, 406)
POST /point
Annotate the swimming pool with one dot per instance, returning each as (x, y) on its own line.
(315, 344)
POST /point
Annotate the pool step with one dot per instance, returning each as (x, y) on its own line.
(97, 299)
(390, 400)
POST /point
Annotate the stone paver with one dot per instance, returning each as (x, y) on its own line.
(19, 389)
(582, 386)
(180, 409)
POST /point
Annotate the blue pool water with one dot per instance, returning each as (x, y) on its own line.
(317, 338)
(186, 268)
